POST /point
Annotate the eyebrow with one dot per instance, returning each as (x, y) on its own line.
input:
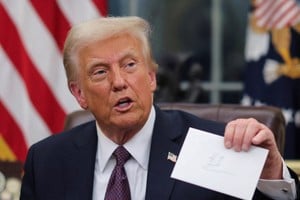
(129, 53)
(95, 61)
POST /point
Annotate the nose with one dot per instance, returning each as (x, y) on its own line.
(118, 80)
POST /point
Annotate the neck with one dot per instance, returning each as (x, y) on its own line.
(120, 137)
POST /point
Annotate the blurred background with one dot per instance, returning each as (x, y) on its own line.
(208, 51)
(197, 43)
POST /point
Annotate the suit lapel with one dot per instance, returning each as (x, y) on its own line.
(166, 138)
(79, 164)
(79, 159)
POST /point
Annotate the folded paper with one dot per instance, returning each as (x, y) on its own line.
(204, 161)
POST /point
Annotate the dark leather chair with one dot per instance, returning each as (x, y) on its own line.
(268, 115)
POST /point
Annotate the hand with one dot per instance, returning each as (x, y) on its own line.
(240, 134)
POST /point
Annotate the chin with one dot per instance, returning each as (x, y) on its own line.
(128, 122)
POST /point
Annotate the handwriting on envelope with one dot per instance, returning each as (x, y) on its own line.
(216, 162)
(204, 161)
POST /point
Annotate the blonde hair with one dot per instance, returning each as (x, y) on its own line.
(99, 29)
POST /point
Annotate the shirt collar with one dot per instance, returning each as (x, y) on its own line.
(138, 146)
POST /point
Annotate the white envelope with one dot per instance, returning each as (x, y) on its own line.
(204, 161)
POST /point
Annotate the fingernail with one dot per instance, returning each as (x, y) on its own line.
(228, 144)
(237, 148)
(245, 147)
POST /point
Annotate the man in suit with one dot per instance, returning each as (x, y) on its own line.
(111, 73)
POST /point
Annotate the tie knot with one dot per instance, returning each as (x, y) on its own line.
(122, 155)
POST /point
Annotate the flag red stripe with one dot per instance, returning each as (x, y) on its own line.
(269, 21)
(276, 14)
(41, 96)
(294, 17)
(12, 134)
(53, 18)
(38, 90)
(263, 7)
(268, 12)
(284, 14)
(102, 6)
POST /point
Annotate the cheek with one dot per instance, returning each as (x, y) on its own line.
(145, 84)
(145, 88)
(97, 94)
(150, 81)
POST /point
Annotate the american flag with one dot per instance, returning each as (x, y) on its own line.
(276, 13)
(273, 63)
(34, 97)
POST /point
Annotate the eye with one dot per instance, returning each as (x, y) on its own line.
(130, 65)
(98, 74)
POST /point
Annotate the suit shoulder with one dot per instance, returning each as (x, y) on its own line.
(63, 139)
(182, 118)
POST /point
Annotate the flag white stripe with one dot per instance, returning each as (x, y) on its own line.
(47, 61)
(276, 13)
(80, 11)
(287, 18)
(280, 12)
(263, 8)
(284, 8)
(268, 14)
(14, 97)
(42, 50)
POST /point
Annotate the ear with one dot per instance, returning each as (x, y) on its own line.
(78, 94)
(153, 84)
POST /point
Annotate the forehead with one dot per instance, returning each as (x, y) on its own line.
(113, 46)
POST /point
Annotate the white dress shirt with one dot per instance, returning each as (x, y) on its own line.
(137, 167)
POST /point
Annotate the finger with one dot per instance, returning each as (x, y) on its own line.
(260, 138)
(264, 137)
(253, 128)
(239, 133)
(229, 134)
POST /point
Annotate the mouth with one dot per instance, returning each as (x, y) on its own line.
(123, 103)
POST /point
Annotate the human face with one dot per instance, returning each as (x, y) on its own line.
(116, 84)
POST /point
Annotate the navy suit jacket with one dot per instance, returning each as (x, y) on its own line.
(61, 167)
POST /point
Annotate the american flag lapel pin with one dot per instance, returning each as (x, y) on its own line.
(172, 157)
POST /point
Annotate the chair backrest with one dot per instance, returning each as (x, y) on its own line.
(268, 115)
